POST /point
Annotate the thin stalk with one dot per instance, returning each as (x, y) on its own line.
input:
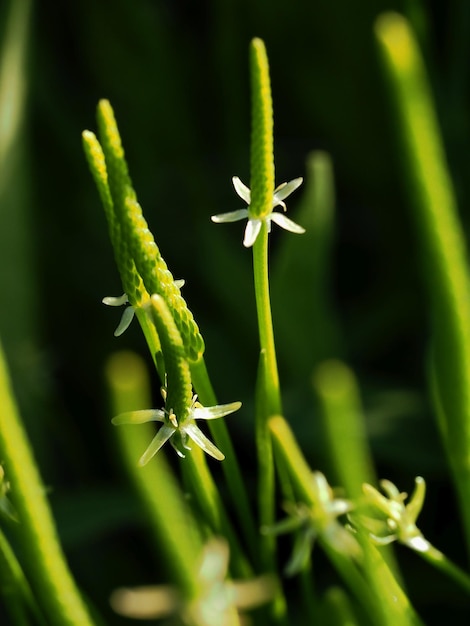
(268, 392)
(443, 248)
(380, 593)
(265, 465)
(174, 531)
(15, 589)
(344, 427)
(44, 562)
(230, 466)
(435, 557)
(265, 322)
(308, 594)
(208, 500)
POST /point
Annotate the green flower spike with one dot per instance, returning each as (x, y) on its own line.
(393, 520)
(216, 604)
(178, 432)
(316, 522)
(254, 221)
(179, 419)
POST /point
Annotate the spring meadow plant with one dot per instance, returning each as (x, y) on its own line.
(241, 549)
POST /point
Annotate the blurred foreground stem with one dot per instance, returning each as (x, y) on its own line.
(443, 250)
(44, 560)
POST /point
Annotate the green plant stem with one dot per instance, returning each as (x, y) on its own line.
(288, 449)
(344, 426)
(265, 323)
(44, 561)
(435, 557)
(379, 593)
(230, 466)
(174, 531)
(443, 249)
(208, 500)
(268, 403)
(268, 392)
(15, 589)
(308, 594)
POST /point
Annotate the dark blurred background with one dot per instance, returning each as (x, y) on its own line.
(176, 73)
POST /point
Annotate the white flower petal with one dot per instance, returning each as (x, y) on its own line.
(139, 417)
(126, 319)
(232, 216)
(284, 222)
(180, 442)
(251, 232)
(215, 561)
(203, 442)
(157, 442)
(383, 541)
(284, 190)
(242, 190)
(180, 283)
(115, 301)
(418, 543)
(213, 412)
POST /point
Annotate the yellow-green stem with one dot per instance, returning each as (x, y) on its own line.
(230, 465)
(265, 323)
(44, 561)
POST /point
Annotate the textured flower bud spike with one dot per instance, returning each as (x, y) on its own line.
(158, 278)
(179, 393)
(96, 160)
(183, 407)
(262, 149)
(262, 198)
(120, 184)
(97, 164)
(142, 268)
(179, 419)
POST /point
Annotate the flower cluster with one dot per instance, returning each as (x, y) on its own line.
(389, 519)
(317, 521)
(216, 603)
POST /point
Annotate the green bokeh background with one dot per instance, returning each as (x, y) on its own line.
(176, 73)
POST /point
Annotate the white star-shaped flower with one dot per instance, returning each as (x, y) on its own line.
(318, 520)
(129, 312)
(391, 518)
(127, 316)
(254, 222)
(179, 432)
(217, 602)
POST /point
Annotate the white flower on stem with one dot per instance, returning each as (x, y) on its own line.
(179, 432)
(129, 312)
(316, 521)
(217, 603)
(220, 599)
(254, 222)
(390, 519)
(127, 316)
